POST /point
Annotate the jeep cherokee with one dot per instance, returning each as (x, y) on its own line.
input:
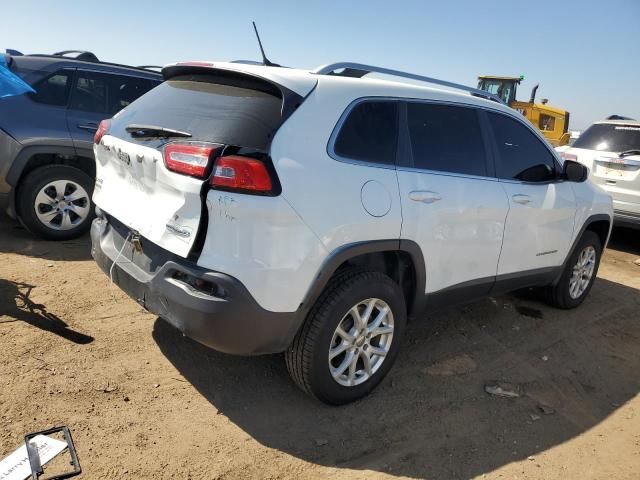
(262, 209)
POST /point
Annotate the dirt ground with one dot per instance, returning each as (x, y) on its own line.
(143, 402)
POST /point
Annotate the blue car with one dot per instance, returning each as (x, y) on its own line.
(47, 168)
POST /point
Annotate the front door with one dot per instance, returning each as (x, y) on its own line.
(542, 207)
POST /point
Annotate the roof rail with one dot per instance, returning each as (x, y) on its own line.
(81, 55)
(358, 70)
(150, 67)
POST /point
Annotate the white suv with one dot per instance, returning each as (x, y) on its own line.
(611, 150)
(264, 209)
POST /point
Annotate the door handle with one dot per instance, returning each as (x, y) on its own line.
(424, 196)
(520, 198)
(93, 127)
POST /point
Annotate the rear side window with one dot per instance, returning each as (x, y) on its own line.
(238, 111)
(53, 90)
(124, 90)
(446, 138)
(521, 155)
(370, 133)
(609, 137)
(90, 92)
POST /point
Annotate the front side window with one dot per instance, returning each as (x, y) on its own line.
(90, 92)
(521, 155)
(53, 90)
(446, 138)
(370, 133)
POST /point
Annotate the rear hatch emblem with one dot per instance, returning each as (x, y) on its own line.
(124, 156)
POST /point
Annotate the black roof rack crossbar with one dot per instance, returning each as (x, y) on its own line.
(358, 70)
(81, 55)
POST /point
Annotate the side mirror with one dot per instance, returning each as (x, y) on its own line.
(574, 171)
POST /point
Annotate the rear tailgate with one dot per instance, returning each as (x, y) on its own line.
(601, 148)
(621, 178)
(133, 185)
(228, 110)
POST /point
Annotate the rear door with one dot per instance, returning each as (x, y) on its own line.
(87, 108)
(135, 181)
(451, 203)
(42, 115)
(542, 207)
(96, 96)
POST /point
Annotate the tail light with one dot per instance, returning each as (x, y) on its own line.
(188, 159)
(236, 172)
(102, 129)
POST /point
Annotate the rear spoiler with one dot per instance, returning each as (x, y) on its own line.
(8, 56)
(296, 81)
(292, 86)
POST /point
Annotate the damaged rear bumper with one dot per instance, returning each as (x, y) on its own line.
(210, 307)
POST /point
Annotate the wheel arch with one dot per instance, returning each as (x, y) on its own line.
(33, 157)
(600, 224)
(402, 260)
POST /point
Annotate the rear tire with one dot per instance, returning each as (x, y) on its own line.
(366, 344)
(579, 273)
(54, 202)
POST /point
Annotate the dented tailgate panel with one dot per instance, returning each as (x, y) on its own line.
(133, 185)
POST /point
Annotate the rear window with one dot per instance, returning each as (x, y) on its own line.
(231, 110)
(370, 133)
(609, 138)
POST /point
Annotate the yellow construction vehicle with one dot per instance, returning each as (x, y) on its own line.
(552, 122)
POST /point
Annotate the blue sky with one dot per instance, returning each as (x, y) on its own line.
(585, 54)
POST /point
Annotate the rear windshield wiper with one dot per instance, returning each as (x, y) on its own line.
(626, 153)
(137, 131)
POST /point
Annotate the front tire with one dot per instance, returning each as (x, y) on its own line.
(54, 202)
(350, 338)
(579, 273)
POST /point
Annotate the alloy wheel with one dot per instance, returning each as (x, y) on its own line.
(582, 272)
(361, 342)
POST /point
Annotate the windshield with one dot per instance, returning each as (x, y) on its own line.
(609, 138)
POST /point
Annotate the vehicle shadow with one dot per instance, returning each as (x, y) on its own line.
(431, 417)
(17, 306)
(625, 240)
(14, 238)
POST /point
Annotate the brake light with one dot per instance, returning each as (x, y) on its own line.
(187, 159)
(241, 173)
(102, 129)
